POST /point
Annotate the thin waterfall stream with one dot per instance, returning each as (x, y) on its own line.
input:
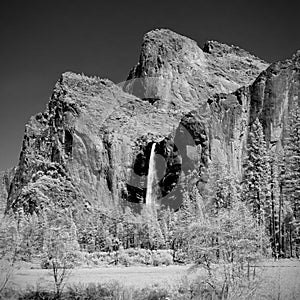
(150, 197)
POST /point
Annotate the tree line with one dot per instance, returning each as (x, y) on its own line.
(271, 186)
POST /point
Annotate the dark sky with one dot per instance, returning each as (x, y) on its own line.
(41, 39)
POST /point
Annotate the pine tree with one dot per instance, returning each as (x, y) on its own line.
(167, 221)
(191, 210)
(275, 212)
(291, 179)
(257, 173)
(222, 188)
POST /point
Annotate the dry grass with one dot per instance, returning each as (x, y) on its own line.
(130, 276)
(279, 280)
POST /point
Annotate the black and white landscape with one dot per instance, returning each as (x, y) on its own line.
(180, 182)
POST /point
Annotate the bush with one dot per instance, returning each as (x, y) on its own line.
(144, 257)
(125, 257)
(37, 295)
(162, 257)
(75, 258)
(47, 264)
(155, 292)
(110, 291)
(92, 291)
(130, 257)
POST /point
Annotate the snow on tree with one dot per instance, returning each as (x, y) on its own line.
(256, 189)
(291, 178)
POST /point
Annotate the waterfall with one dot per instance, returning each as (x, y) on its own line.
(151, 177)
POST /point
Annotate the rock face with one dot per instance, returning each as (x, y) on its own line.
(78, 150)
(93, 142)
(273, 94)
(5, 182)
(178, 75)
(220, 127)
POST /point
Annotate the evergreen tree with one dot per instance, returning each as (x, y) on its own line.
(257, 173)
(191, 210)
(275, 213)
(291, 180)
(167, 221)
(222, 188)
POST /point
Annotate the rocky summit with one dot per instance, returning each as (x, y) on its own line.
(93, 142)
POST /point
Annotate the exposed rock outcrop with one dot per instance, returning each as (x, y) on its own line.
(5, 182)
(94, 139)
(176, 74)
(272, 96)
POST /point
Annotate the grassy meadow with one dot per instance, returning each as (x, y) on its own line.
(275, 280)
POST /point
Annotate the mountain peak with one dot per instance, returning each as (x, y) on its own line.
(173, 71)
(163, 47)
(167, 37)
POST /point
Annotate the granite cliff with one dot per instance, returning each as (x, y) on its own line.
(5, 182)
(93, 142)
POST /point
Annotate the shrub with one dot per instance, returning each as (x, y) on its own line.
(75, 258)
(155, 292)
(144, 257)
(162, 257)
(111, 290)
(47, 264)
(125, 259)
(37, 295)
